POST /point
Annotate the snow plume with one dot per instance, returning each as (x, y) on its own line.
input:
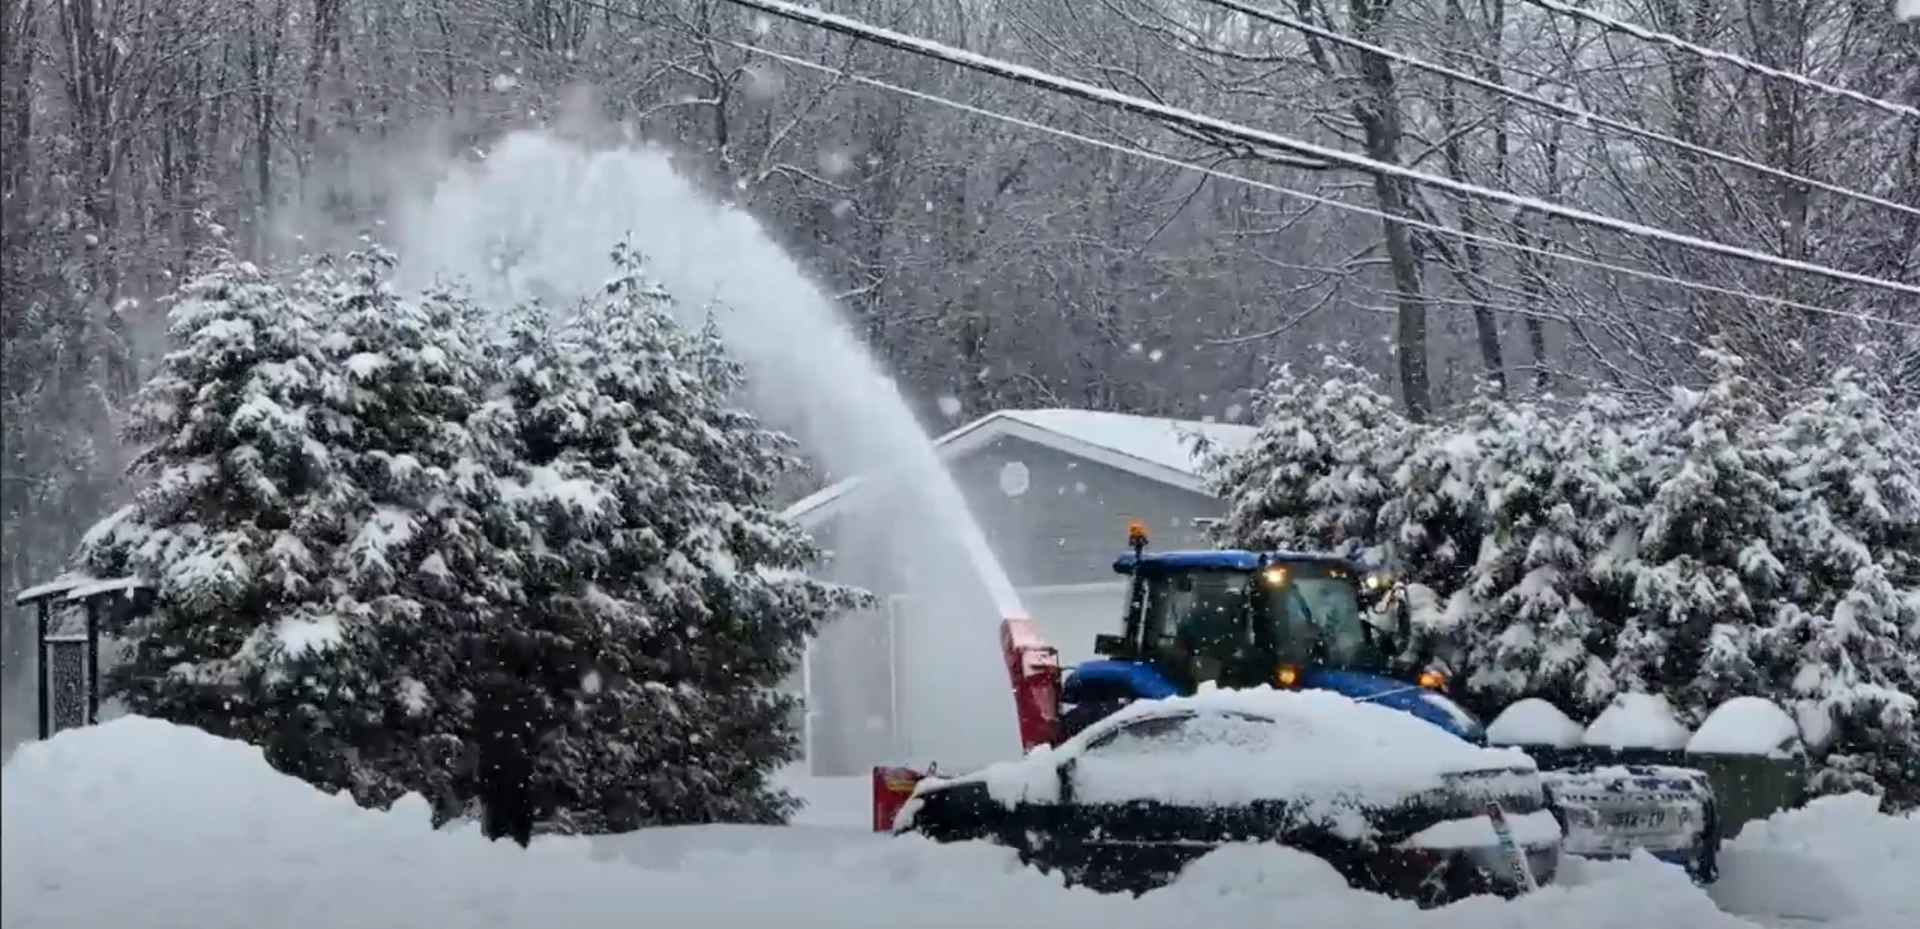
(534, 218)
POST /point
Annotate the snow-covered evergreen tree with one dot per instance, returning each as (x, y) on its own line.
(1849, 636)
(1319, 471)
(318, 515)
(1435, 519)
(242, 508)
(660, 579)
(1712, 549)
(421, 567)
(1538, 612)
(1708, 562)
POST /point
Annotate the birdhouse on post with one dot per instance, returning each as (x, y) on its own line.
(71, 614)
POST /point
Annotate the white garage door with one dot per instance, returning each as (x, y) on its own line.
(952, 700)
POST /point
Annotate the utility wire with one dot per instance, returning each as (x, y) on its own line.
(1214, 127)
(1580, 116)
(1438, 228)
(1644, 34)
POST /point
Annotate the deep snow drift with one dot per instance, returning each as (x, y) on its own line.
(137, 824)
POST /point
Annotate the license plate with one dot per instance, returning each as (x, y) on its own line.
(1639, 820)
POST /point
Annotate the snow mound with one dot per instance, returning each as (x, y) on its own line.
(1242, 745)
(1747, 726)
(137, 823)
(1637, 721)
(1838, 861)
(1534, 721)
(1270, 871)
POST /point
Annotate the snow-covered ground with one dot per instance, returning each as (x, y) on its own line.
(136, 824)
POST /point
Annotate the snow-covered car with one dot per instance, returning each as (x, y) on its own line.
(1611, 809)
(1396, 805)
(1614, 810)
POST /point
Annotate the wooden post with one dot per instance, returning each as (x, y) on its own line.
(45, 624)
(93, 657)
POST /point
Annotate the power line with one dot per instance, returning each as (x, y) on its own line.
(1673, 41)
(1580, 116)
(1316, 199)
(1214, 127)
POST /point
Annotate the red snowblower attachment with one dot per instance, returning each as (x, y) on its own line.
(1033, 668)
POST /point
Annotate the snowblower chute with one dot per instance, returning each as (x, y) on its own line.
(1033, 670)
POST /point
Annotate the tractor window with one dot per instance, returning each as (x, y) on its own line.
(1320, 620)
(1213, 600)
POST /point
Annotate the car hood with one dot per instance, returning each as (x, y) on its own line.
(1412, 699)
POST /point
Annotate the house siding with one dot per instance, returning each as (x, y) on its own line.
(1063, 528)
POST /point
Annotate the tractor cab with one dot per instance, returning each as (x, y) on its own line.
(1245, 619)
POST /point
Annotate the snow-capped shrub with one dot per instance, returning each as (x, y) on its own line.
(1711, 548)
(291, 457)
(358, 503)
(656, 563)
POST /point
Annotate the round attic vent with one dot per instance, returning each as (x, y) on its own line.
(1015, 478)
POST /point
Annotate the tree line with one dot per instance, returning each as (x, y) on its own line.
(1702, 548)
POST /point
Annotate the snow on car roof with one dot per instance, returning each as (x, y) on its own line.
(1322, 747)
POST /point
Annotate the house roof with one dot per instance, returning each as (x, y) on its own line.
(1153, 448)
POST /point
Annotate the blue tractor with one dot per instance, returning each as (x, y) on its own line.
(1245, 619)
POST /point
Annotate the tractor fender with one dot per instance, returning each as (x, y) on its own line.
(1109, 679)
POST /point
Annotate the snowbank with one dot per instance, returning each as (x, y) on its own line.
(1637, 721)
(1747, 726)
(1318, 746)
(1839, 862)
(1534, 721)
(136, 824)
